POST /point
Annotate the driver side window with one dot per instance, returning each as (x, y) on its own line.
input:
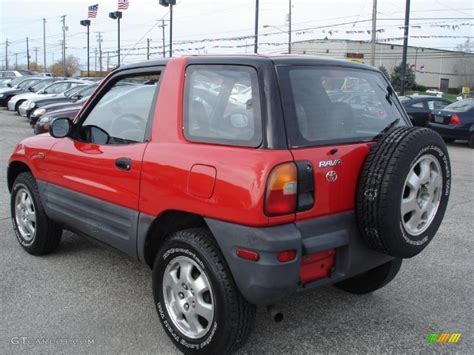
(121, 115)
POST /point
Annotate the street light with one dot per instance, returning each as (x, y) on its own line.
(87, 23)
(117, 15)
(169, 3)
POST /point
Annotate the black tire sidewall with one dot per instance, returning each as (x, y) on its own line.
(216, 334)
(400, 242)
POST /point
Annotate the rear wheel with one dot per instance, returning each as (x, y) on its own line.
(198, 303)
(17, 106)
(35, 232)
(471, 141)
(373, 279)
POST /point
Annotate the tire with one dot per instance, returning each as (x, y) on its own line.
(470, 142)
(36, 233)
(17, 106)
(448, 140)
(371, 280)
(229, 325)
(408, 169)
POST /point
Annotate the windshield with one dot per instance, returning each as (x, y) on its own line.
(41, 85)
(28, 83)
(57, 87)
(461, 106)
(86, 91)
(16, 81)
(73, 91)
(328, 105)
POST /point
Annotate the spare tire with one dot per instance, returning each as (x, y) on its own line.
(403, 191)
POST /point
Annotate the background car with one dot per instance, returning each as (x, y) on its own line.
(70, 111)
(15, 73)
(419, 108)
(55, 88)
(15, 102)
(78, 97)
(455, 121)
(23, 86)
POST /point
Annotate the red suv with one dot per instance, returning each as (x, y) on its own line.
(239, 180)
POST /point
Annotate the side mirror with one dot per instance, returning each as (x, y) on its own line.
(76, 97)
(60, 127)
(40, 92)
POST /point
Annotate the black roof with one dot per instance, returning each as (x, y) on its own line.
(250, 59)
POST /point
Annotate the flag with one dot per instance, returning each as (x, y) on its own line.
(123, 4)
(93, 11)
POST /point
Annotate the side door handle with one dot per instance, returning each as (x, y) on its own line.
(123, 164)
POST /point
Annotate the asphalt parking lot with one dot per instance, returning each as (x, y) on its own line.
(88, 298)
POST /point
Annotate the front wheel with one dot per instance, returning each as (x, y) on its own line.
(35, 232)
(198, 303)
(470, 142)
(373, 279)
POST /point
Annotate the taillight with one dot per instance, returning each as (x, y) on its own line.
(455, 120)
(281, 190)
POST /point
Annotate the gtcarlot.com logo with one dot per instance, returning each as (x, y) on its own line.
(443, 338)
(23, 340)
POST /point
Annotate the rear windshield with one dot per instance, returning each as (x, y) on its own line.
(328, 105)
(461, 106)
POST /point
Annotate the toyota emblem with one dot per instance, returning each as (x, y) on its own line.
(331, 176)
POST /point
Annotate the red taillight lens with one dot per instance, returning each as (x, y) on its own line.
(281, 190)
(247, 254)
(287, 255)
(455, 120)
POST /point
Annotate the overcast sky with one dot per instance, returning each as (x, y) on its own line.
(212, 19)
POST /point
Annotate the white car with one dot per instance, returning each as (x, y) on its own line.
(54, 88)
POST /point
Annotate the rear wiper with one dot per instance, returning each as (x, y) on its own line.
(386, 129)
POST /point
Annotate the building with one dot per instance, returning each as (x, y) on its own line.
(435, 68)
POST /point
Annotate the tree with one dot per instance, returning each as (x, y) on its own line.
(72, 66)
(36, 67)
(384, 72)
(467, 46)
(396, 77)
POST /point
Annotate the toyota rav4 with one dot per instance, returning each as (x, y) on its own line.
(239, 180)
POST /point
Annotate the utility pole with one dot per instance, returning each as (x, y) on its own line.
(63, 20)
(99, 39)
(16, 60)
(6, 54)
(36, 56)
(163, 37)
(44, 45)
(147, 49)
(255, 46)
(95, 61)
(27, 54)
(374, 32)
(405, 47)
(171, 29)
(108, 62)
(289, 28)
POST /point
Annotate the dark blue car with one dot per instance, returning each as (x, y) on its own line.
(455, 121)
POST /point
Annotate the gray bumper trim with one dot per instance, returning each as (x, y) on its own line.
(269, 281)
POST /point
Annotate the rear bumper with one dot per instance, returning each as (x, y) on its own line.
(450, 131)
(268, 281)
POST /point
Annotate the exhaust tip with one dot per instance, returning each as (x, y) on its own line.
(275, 313)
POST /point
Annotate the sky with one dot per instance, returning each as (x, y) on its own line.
(210, 26)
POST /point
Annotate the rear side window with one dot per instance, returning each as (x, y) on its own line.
(222, 105)
(328, 105)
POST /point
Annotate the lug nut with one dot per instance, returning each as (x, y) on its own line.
(186, 306)
(185, 286)
(181, 295)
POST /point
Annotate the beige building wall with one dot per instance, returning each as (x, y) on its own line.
(432, 65)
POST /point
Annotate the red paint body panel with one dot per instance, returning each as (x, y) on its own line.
(337, 196)
(90, 169)
(201, 180)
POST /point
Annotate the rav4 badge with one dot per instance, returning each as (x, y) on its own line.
(330, 163)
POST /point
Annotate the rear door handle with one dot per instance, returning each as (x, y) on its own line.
(123, 164)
